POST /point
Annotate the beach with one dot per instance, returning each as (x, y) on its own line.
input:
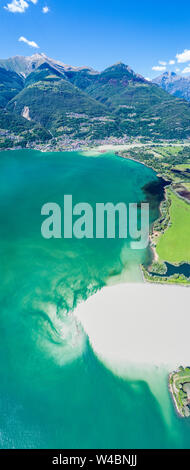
(138, 324)
(139, 331)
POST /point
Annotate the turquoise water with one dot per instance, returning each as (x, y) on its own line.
(54, 393)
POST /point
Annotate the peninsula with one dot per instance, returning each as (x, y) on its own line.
(179, 386)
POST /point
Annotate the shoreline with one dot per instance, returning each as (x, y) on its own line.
(173, 397)
(153, 248)
(101, 309)
(135, 340)
(104, 147)
(151, 237)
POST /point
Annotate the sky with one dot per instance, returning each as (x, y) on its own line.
(150, 36)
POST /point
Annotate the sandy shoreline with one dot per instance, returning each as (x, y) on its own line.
(138, 324)
(135, 331)
(127, 146)
(94, 151)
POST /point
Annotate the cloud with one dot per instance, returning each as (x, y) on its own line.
(30, 43)
(159, 68)
(148, 79)
(184, 56)
(45, 9)
(19, 6)
(177, 69)
(171, 62)
(186, 69)
(161, 62)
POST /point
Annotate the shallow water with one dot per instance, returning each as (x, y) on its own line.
(54, 393)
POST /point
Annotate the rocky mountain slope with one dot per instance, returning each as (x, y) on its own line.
(50, 97)
(10, 85)
(53, 99)
(174, 84)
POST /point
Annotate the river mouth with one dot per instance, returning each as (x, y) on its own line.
(155, 192)
(171, 269)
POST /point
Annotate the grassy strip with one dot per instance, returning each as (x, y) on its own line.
(174, 244)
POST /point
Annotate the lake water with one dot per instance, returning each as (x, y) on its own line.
(54, 392)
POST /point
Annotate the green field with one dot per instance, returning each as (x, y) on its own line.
(182, 166)
(169, 150)
(174, 245)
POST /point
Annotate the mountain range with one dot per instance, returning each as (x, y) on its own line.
(41, 98)
(174, 84)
